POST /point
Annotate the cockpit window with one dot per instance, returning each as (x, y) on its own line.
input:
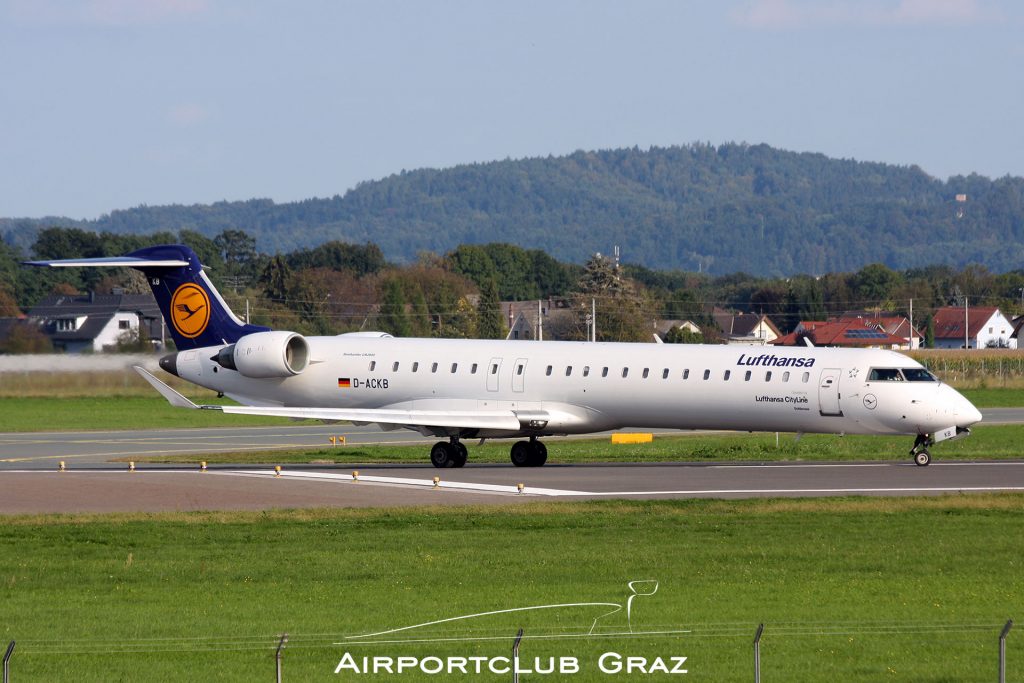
(885, 375)
(901, 375)
(919, 375)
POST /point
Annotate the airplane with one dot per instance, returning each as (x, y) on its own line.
(461, 389)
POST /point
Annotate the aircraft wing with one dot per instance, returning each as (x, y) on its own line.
(504, 420)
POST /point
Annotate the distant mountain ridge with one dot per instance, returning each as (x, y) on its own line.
(723, 209)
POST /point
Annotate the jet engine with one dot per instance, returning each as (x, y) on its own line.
(266, 354)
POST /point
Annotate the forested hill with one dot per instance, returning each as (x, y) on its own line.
(729, 208)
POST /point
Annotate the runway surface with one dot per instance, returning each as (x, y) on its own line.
(95, 490)
(30, 482)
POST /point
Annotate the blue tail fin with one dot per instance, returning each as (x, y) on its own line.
(192, 307)
(195, 313)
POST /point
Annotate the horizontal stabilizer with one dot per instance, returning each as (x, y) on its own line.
(110, 262)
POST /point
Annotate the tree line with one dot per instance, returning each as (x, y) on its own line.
(338, 287)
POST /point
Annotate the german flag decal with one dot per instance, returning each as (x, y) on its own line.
(344, 383)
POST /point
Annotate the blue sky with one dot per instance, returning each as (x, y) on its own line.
(107, 104)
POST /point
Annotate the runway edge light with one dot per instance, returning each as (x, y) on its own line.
(520, 486)
(131, 465)
(355, 475)
(61, 466)
(202, 466)
(437, 482)
(277, 470)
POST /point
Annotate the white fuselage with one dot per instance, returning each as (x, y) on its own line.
(586, 387)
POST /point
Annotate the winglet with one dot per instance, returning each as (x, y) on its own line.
(657, 339)
(172, 396)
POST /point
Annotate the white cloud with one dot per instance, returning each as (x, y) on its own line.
(801, 14)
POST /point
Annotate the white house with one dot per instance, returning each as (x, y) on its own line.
(957, 327)
(95, 322)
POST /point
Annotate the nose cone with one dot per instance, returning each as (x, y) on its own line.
(169, 363)
(964, 411)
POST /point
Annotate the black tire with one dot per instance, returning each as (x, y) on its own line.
(922, 458)
(522, 454)
(540, 454)
(442, 455)
(461, 455)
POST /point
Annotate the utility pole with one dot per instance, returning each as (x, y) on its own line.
(911, 323)
(967, 326)
(540, 321)
(593, 320)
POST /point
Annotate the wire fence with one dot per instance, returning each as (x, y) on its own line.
(855, 650)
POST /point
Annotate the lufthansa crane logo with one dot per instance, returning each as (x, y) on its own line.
(190, 310)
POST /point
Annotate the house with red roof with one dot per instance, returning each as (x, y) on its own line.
(895, 324)
(982, 327)
(845, 333)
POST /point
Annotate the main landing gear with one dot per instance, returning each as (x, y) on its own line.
(450, 454)
(530, 453)
(920, 452)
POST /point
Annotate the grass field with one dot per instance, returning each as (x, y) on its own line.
(80, 413)
(849, 589)
(984, 443)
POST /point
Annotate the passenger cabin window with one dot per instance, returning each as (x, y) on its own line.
(686, 374)
(568, 370)
(586, 371)
(647, 371)
(494, 368)
(746, 377)
(604, 372)
(806, 378)
(394, 367)
(519, 369)
(416, 366)
(885, 375)
(625, 372)
(768, 376)
(548, 371)
(728, 373)
(664, 373)
(373, 365)
(472, 369)
(707, 374)
(433, 367)
(785, 376)
(455, 366)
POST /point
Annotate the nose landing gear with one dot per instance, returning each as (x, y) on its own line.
(920, 452)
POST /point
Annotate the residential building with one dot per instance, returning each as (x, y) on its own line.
(750, 329)
(982, 327)
(856, 333)
(97, 322)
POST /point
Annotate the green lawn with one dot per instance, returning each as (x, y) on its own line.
(849, 589)
(37, 414)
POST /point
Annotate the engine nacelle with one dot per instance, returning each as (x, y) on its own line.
(266, 354)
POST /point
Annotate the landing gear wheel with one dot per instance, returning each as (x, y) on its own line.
(461, 455)
(522, 454)
(443, 455)
(922, 458)
(540, 453)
